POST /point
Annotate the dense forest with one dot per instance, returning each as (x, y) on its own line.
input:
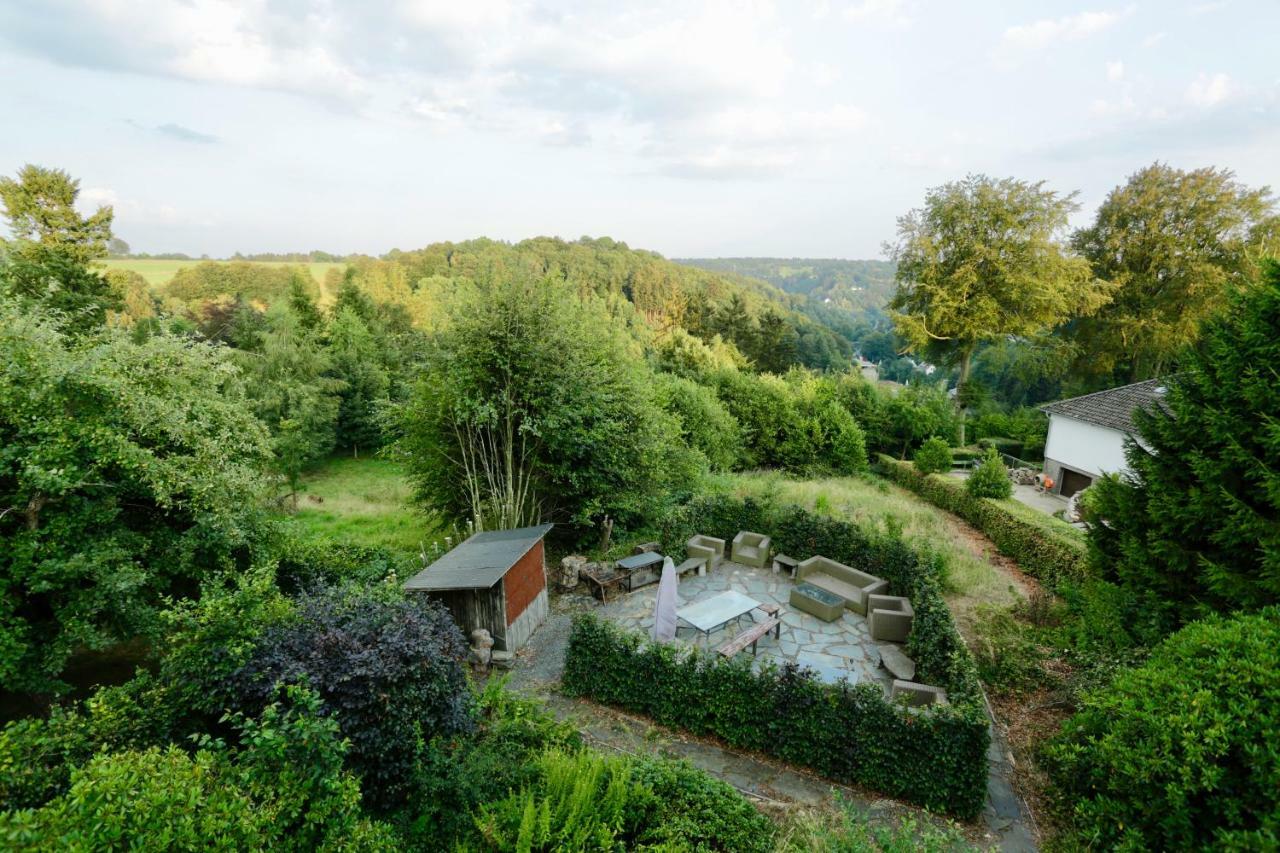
(155, 438)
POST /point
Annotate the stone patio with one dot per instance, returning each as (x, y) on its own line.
(834, 650)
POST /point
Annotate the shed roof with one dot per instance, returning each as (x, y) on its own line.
(1112, 408)
(479, 562)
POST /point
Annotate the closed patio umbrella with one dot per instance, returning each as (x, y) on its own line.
(664, 611)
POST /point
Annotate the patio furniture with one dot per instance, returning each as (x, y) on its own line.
(770, 609)
(783, 563)
(602, 579)
(817, 602)
(710, 614)
(847, 582)
(646, 547)
(642, 569)
(693, 563)
(750, 637)
(917, 695)
(889, 617)
(751, 549)
(709, 547)
(899, 665)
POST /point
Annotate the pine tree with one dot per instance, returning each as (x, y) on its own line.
(1198, 521)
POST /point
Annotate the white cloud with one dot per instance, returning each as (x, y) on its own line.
(1049, 31)
(1209, 90)
(131, 212)
(892, 13)
(1208, 8)
(1154, 39)
(1115, 71)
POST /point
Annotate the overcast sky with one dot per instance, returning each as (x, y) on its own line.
(694, 129)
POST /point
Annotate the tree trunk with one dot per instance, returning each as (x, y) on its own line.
(966, 363)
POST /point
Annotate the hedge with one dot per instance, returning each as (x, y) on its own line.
(1039, 544)
(854, 734)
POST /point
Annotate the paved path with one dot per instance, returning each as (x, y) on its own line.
(1005, 824)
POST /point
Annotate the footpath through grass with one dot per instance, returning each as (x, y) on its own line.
(362, 502)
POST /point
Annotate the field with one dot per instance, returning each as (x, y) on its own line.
(362, 502)
(158, 272)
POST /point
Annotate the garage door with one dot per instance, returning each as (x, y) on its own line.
(1073, 481)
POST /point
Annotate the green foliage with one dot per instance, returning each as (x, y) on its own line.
(259, 283)
(1194, 528)
(990, 479)
(47, 261)
(1180, 753)
(705, 423)
(983, 259)
(1174, 244)
(1042, 546)
(128, 471)
(933, 457)
(532, 407)
(852, 831)
(691, 809)
(283, 789)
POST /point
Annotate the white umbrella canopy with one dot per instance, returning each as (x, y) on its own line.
(664, 611)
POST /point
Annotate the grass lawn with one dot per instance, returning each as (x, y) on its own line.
(975, 574)
(159, 272)
(364, 502)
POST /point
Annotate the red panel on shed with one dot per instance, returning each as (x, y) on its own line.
(524, 581)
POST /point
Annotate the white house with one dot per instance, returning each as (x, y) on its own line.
(1086, 434)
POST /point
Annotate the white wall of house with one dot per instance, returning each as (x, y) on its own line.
(1084, 447)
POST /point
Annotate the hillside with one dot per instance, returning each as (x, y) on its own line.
(855, 286)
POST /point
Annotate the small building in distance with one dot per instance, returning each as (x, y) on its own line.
(496, 580)
(1086, 434)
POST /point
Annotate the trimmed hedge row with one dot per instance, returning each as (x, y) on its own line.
(936, 758)
(1019, 532)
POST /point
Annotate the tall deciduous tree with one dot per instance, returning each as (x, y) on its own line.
(983, 259)
(1195, 526)
(1174, 244)
(47, 260)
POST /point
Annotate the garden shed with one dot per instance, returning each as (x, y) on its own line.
(496, 580)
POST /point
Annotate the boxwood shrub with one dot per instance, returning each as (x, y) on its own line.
(936, 758)
(1042, 546)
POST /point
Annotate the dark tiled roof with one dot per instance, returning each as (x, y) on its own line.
(1112, 408)
(479, 562)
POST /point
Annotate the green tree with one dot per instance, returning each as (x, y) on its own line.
(535, 406)
(47, 260)
(1194, 527)
(933, 457)
(356, 360)
(127, 471)
(1173, 244)
(983, 259)
(991, 479)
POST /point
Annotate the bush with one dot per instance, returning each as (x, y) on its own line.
(691, 809)
(1043, 547)
(389, 669)
(991, 479)
(933, 457)
(849, 734)
(1180, 753)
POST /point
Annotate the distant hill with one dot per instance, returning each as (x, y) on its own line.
(857, 287)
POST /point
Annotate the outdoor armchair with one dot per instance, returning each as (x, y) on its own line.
(889, 617)
(751, 549)
(708, 547)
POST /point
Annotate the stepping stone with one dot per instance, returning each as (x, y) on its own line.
(892, 659)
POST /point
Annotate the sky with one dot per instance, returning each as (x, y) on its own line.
(792, 129)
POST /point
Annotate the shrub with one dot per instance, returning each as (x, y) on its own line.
(1180, 753)
(1043, 547)
(849, 734)
(705, 423)
(389, 669)
(933, 457)
(691, 809)
(991, 479)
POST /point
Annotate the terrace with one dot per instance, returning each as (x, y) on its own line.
(842, 649)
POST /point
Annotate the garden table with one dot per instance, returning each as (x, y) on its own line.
(711, 614)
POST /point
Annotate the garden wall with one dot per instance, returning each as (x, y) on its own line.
(1039, 549)
(935, 757)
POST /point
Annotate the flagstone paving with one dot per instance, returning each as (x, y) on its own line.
(837, 650)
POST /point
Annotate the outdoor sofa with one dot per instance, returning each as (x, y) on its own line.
(847, 582)
(751, 549)
(889, 617)
(707, 547)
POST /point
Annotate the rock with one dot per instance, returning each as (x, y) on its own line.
(504, 660)
(569, 568)
(481, 648)
(1023, 476)
(1072, 513)
(646, 547)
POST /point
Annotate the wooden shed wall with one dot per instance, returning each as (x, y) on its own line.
(524, 581)
(478, 608)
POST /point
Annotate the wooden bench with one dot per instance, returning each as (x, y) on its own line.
(750, 637)
(770, 609)
(698, 564)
